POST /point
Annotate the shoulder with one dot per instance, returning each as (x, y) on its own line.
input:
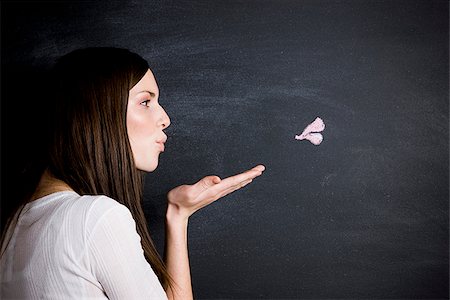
(85, 212)
(101, 208)
(100, 203)
(97, 218)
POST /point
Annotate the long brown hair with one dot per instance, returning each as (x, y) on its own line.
(88, 147)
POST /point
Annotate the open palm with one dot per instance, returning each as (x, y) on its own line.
(190, 198)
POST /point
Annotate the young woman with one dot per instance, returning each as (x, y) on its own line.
(81, 231)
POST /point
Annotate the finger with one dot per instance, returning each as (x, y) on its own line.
(219, 186)
(247, 182)
(213, 196)
(259, 168)
(224, 186)
(239, 178)
(231, 189)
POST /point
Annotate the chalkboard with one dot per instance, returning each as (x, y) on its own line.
(365, 214)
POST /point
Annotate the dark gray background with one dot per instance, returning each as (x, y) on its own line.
(363, 215)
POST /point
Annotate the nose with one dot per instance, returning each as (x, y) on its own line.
(165, 119)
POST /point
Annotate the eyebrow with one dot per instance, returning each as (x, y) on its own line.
(151, 94)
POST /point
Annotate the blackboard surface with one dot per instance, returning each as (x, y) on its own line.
(363, 215)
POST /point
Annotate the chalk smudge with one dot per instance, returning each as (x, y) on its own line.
(311, 132)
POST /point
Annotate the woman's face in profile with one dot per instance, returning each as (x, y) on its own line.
(146, 120)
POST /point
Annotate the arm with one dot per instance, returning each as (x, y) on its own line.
(183, 201)
(116, 256)
(176, 255)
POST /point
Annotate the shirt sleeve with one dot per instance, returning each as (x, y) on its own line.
(117, 258)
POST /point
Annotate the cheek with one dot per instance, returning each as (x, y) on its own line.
(134, 124)
(140, 128)
(132, 127)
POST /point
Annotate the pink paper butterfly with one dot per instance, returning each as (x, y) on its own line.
(311, 132)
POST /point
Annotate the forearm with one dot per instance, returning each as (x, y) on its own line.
(176, 255)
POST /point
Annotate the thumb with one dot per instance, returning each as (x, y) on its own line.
(208, 182)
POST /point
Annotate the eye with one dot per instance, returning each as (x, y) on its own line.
(146, 101)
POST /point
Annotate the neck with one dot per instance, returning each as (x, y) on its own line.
(48, 185)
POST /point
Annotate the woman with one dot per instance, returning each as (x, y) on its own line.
(81, 232)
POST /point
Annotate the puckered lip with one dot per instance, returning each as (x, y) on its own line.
(161, 146)
(162, 140)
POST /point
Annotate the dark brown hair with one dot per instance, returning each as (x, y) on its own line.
(88, 147)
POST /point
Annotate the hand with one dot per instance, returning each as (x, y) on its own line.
(186, 199)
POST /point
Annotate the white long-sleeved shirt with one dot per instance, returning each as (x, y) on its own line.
(67, 246)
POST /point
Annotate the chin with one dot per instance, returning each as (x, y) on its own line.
(149, 167)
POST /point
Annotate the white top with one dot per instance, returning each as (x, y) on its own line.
(67, 246)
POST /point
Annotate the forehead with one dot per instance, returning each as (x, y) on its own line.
(147, 83)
